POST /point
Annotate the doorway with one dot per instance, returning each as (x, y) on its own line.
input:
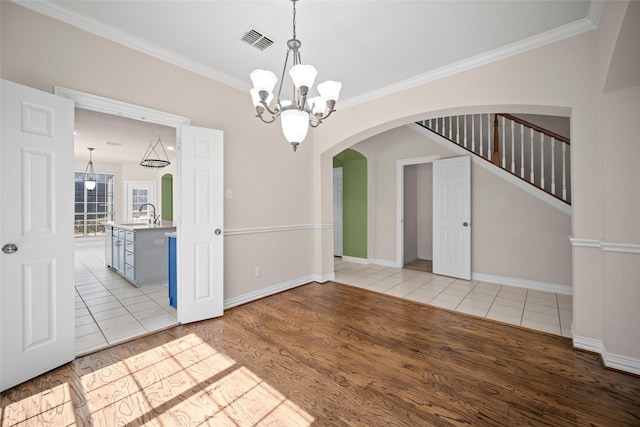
(108, 308)
(418, 217)
(410, 195)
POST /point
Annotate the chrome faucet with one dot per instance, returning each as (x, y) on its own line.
(153, 216)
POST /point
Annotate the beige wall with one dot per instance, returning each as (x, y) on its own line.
(566, 76)
(514, 234)
(410, 209)
(271, 185)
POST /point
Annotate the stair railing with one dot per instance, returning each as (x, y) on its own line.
(528, 151)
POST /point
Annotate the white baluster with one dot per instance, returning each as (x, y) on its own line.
(564, 172)
(521, 150)
(513, 152)
(450, 118)
(541, 160)
(532, 178)
(481, 139)
(458, 130)
(473, 133)
(553, 166)
(465, 131)
(489, 124)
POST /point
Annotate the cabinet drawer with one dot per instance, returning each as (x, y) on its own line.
(130, 236)
(121, 232)
(130, 272)
(130, 258)
(130, 246)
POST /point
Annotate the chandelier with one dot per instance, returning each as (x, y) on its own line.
(153, 157)
(300, 112)
(89, 176)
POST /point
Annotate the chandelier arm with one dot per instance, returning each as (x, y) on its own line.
(261, 117)
(274, 112)
(284, 69)
(328, 114)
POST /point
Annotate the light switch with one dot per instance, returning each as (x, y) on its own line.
(229, 194)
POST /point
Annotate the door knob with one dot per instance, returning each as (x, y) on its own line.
(466, 224)
(9, 248)
(218, 231)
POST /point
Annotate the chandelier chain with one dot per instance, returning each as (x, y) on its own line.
(294, 18)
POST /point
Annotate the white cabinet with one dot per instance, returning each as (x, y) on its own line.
(140, 254)
(108, 245)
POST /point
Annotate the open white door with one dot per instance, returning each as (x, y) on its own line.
(37, 323)
(452, 217)
(337, 211)
(200, 243)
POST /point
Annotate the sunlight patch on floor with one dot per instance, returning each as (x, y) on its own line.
(183, 382)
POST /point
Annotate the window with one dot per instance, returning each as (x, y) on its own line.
(93, 208)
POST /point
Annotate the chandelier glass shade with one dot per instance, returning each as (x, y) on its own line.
(300, 112)
(89, 176)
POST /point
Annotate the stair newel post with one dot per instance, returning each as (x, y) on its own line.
(521, 150)
(496, 141)
(553, 166)
(564, 172)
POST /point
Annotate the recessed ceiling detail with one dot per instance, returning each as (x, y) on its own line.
(256, 39)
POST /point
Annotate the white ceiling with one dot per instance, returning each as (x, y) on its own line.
(372, 47)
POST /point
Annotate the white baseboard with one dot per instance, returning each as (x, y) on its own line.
(384, 263)
(355, 259)
(265, 292)
(326, 278)
(524, 283)
(613, 361)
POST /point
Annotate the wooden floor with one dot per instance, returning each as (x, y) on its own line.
(332, 355)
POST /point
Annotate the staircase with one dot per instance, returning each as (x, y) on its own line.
(533, 154)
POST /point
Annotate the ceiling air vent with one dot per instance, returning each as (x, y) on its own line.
(113, 143)
(256, 39)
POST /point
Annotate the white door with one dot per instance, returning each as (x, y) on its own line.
(140, 193)
(200, 243)
(36, 215)
(337, 211)
(452, 217)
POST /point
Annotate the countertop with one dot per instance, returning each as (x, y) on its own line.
(139, 226)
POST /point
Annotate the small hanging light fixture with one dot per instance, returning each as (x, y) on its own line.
(152, 159)
(89, 177)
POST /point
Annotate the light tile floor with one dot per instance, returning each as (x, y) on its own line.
(109, 309)
(542, 311)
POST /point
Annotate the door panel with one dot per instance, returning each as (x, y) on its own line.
(200, 240)
(36, 214)
(452, 217)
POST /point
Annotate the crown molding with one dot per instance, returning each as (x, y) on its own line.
(551, 36)
(95, 27)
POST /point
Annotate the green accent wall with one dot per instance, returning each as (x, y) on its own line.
(354, 202)
(167, 197)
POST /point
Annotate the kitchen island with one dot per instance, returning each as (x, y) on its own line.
(138, 251)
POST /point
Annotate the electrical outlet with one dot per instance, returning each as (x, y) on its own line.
(258, 271)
